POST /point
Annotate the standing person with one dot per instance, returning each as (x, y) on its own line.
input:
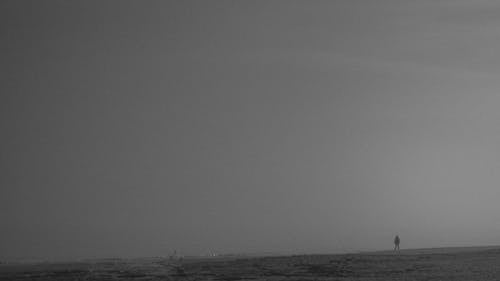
(396, 243)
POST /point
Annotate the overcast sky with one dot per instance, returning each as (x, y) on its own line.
(136, 128)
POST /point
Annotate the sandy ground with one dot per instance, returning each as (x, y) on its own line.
(423, 264)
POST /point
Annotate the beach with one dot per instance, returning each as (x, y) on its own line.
(471, 263)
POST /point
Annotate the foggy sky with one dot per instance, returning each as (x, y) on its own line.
(136, 128)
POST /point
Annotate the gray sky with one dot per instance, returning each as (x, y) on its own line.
(136, 128)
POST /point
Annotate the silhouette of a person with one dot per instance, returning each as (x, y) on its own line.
(396, 243)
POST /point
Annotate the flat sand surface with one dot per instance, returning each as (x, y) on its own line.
(480, 263)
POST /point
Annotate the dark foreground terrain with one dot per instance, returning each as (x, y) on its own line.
(427, 264)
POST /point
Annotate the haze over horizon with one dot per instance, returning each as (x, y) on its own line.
(133, 128)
